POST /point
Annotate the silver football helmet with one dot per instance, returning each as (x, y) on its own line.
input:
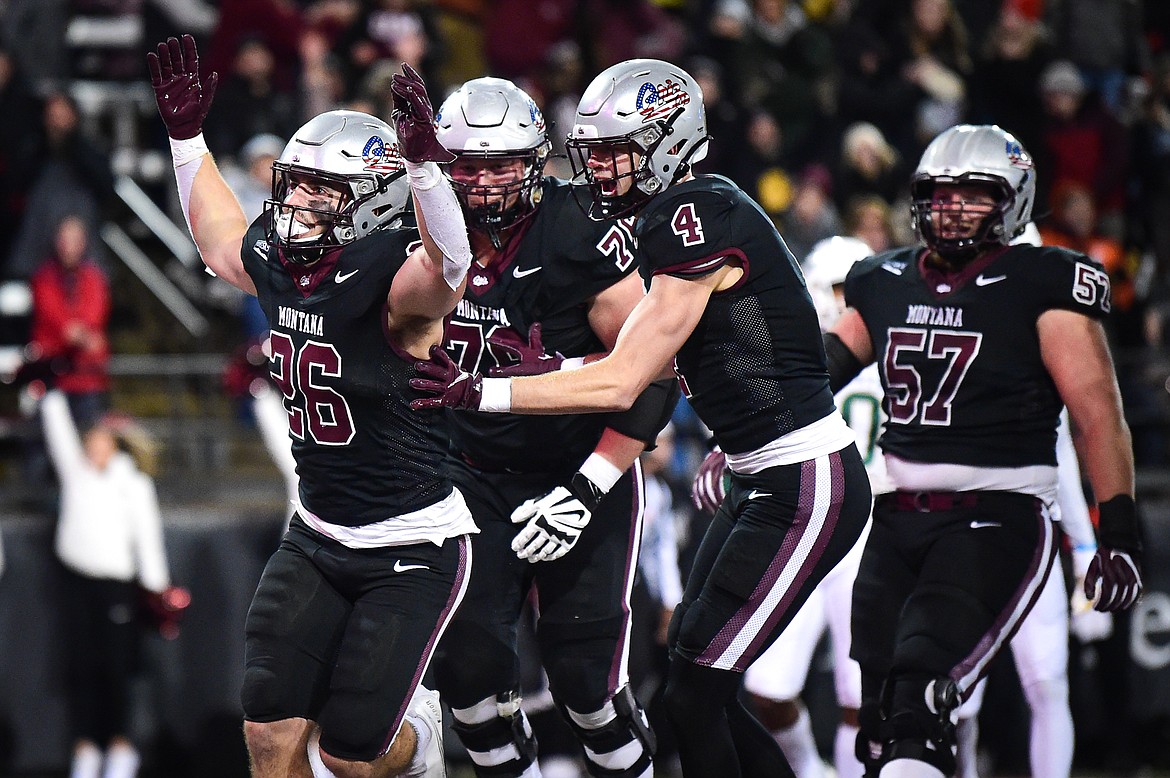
(353, 154)
(649, 109)
(827, 264)
(492, 118)
(983, 154)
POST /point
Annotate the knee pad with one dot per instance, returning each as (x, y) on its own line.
(496, 734)
(919, 722)
(617, 738)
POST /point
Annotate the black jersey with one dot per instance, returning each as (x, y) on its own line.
(754, 367)
(960, 355)
(554, 263)
(362, 454)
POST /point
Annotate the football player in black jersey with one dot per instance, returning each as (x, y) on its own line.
(728, 304)
(376, 559)
(979, 344)
(558, 499)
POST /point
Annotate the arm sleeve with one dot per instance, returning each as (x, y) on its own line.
(649, 414)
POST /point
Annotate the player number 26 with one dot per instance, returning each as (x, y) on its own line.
(313, 408)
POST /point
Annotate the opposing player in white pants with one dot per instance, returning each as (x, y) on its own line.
(777, 677)
(1040, 648)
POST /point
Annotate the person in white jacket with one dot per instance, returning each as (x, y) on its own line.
(109, 540)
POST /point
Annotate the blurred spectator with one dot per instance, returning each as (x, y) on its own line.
(1104, 39)
(760, 168)
(869, 165)
(1073, 225)
(322, 84)
(1081, 142)
(73, 177)
(280, 23)
(520, 33)
(1151, 169)
(627, 29)
(71, 310)
(812, 216)
(1014, 54)
(109, 540)
(935, 57)
(34, 32)
(249, 101)
(251, 182)
(558, 91)
(870, 84)
(462, 24)
(782, 65)
(390, 30)
(869, 218)
(724, 119)
(18, 150)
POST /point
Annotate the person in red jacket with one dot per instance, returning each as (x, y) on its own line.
(71, 308)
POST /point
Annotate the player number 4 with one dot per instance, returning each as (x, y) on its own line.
(687, 225)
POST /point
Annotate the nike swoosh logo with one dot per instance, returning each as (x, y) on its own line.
(982, 280)
(892, 269)
(341, 277)
(518, 273)
(979, 524)
(401, 568)
(754, 493)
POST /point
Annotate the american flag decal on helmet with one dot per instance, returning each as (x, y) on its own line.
(1016, 155)
(379, 156)
(658, 102)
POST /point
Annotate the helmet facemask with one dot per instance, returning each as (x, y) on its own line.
(330, 217)
(928, 215)
(497, 206)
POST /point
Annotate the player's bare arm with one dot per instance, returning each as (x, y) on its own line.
(611, 307)
(850, 328)
(213, 214)
(656, 329)
(1076, 354)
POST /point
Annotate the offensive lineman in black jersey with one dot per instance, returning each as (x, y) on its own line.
(979, 345)
(542, 266)
(728, 298)
(345, 618)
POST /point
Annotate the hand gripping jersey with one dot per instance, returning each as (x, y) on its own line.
(552, 265)
(960, 356)
(362, 454)
(754, 367)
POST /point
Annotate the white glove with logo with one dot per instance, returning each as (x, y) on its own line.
(554, 521)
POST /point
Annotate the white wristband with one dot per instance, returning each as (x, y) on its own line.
(603, 473)
(572, 363)
(422, 175)
(496, 395)
(184, 151)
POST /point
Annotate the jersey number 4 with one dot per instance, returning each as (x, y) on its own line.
(904, 387)
(313, 408)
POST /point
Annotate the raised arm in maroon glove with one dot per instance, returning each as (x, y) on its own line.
(414, 119)
(183, 99)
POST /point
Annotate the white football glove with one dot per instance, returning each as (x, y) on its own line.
(554, 521)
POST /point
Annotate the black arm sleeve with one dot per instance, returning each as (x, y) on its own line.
(843, 363)
(649, 413)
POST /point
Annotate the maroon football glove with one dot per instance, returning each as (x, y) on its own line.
(414, 119)
(451, 387)
(529, 358)
(708, 490)
(1113, 581)
(183, 100)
